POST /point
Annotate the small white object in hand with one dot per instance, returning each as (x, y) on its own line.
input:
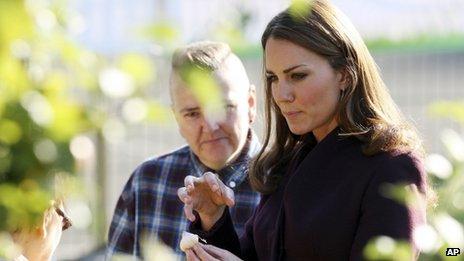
(188, 240)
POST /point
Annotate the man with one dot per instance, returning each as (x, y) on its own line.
(216, 123)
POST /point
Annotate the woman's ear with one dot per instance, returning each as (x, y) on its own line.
(345, 79)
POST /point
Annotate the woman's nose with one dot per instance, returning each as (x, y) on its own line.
(283, 92)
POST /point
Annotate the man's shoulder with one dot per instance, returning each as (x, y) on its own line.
(177, 159)
(179, 154)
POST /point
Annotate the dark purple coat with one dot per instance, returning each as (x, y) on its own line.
(329, 206)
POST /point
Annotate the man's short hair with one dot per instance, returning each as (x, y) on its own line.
(204, 55)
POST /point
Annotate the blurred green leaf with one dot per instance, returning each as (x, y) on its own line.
(402, 193)
(299, 9)
(15, 23)
(10, 131)
(158, 112)
(2, 103)
(54, 83)
(162, 32)
(385, 248)
(426, 42)
(453, 110)
(23, 206)
(154, 249)
(139, 67)
(68, 119)
(13, 79)
(5, 161)
(232, 35)
(204, 87)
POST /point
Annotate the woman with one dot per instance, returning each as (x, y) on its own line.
(340, 145)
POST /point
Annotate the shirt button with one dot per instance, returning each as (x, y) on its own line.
(232, 184)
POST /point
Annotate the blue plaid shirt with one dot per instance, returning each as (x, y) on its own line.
(149, 204)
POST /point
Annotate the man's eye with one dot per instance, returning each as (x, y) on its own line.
(192, 114)
(298, 76)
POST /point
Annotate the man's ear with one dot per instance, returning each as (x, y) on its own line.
(252, 103)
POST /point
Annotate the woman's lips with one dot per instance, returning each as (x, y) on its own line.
(291, 114)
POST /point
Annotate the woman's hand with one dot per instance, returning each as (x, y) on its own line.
(209, 253)
(208, 196)
(40, 243)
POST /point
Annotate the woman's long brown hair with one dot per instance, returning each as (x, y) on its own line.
(366, 109)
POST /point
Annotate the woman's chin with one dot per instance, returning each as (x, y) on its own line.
(298, 130)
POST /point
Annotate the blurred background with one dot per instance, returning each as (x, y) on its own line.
(84, 95)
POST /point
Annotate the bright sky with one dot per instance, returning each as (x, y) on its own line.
(111, 25)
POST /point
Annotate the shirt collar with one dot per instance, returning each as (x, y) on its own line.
(235, 172)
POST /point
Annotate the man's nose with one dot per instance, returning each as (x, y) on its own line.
(210, 125)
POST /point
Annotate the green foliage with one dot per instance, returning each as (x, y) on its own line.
(445, 217)
(385, 248)
(447, 178)
(163, 32)
(22, 207)
(34, 127)
(203, 86)
(52, 91)
(453, 110)
(420, 43)
(300, 8)
(139, 67)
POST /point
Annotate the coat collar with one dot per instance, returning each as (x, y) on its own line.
(321, 154)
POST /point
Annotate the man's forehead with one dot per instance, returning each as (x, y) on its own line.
(233, 73)
(184, 98)
(230, 74)
(229, 87)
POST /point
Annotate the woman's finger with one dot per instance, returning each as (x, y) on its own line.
(219, 253)
(202, 254)
(191, 255)
(212, 250)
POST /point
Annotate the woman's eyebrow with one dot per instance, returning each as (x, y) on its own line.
(294, 67)
(288, 69)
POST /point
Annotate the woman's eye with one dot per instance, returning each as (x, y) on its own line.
(298, 76)
(271, 78)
